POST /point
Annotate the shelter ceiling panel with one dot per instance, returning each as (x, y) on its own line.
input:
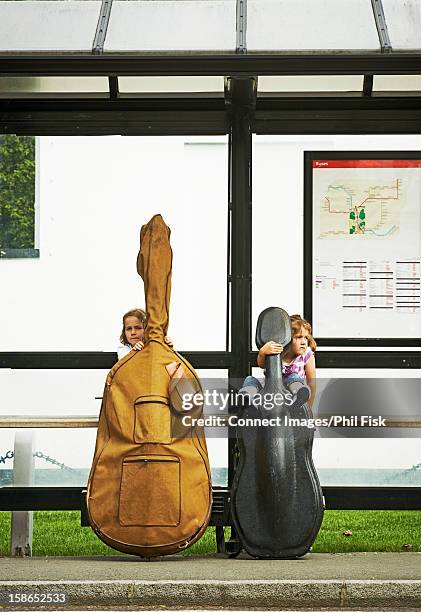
(172, 25)
(403, 18)
(310, 83)
(316, 25)
(47, 85)
(397, 82)
(175, 84)
(51, 25)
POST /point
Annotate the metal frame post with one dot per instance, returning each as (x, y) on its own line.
(243, 100)
(23, 473)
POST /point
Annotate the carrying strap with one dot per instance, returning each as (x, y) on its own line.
(154, 264)
(182, 387)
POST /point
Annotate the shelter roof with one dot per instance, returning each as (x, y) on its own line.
(191, 45)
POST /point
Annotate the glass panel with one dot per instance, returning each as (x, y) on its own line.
(277, 226)
(172, 25)
(278, 280)
(53, 393)
(171, 84)
(278, 242)
(403, 19)
(367, 462)
(95, 193)
(370, 461)
(55, 84)
(217, 439)
(397, 82)
(310, 83)
(48, 26)
(71, 393)
(300, 25)
(63, 456)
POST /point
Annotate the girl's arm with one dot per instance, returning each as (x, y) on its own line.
(270, 348)
(310, 371)
(261, 358)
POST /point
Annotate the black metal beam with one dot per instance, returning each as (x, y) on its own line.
(241, 222)
(368, 85)
(241, 98)
(40, 498)
(209, 360)
(49, 360)
(369, 359)
(208, 115)
(372, 498)
(140, 104)
(403, 360)
(336, 498)
(92, 360)
(113, 87)
(74, 498)
(371, 342)
(236, 65)
(145, 116)
(337, 115)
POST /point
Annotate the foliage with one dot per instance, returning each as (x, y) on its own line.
(370, 530)
(17, 191)
(60, 534)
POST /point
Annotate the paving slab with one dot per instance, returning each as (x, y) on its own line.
(359, 580)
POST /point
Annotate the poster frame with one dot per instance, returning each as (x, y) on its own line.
(308, 280)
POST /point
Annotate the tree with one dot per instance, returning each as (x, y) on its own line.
(17, 191)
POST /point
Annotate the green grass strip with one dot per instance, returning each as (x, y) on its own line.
(60, 534)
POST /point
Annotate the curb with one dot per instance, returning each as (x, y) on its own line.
(220, 593)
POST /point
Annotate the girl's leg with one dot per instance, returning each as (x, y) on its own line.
(298, 387)
(251, 386)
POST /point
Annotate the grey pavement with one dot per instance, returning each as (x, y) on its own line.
(336, 581)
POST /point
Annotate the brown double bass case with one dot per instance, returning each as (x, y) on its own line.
(149, 489)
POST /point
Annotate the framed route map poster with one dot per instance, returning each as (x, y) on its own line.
(362, 247)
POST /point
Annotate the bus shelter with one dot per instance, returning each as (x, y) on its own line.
(237, 68)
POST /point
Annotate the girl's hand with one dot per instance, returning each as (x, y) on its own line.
(138, 346)
(271, 348)
(168, 341)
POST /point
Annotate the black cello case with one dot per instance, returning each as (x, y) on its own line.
(277, 503)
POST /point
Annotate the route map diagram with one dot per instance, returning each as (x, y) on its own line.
(360, 207)
(366, 245)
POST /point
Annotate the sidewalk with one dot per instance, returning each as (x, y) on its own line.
(363, 580)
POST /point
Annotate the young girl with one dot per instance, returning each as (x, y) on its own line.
(131, 338)
(298, 364)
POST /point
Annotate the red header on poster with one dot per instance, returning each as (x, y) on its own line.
(367, 163)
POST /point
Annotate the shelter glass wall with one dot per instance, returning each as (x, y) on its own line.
(77, 393)
(94, 195)
(278, 219)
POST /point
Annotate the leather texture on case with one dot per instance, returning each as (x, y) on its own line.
(149, 489)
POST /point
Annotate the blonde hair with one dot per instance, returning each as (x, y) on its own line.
(297, 322)
(139, 314)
